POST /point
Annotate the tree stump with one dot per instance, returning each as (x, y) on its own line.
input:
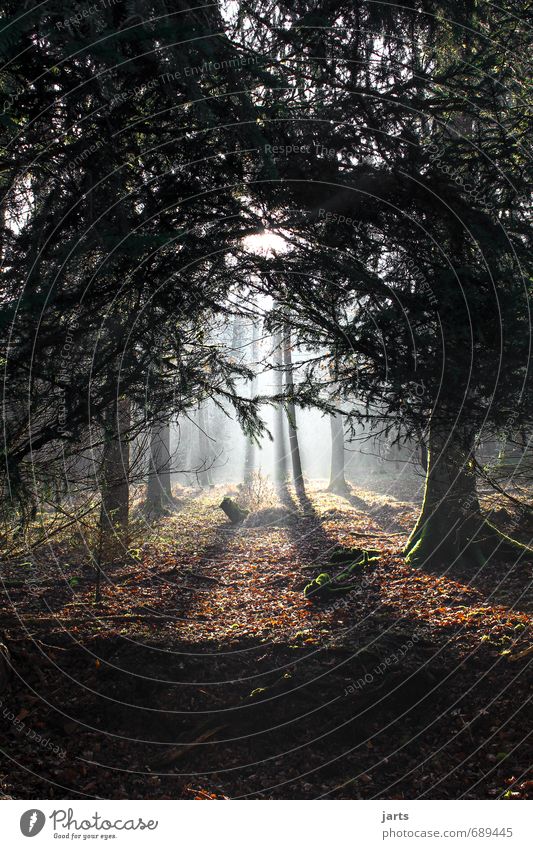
(235, 514)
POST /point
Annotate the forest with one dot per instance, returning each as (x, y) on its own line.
(266, 526)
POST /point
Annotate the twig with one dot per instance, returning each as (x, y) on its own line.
(49, 535)
(500, 489)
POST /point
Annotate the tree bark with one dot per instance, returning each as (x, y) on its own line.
(206, 458)
(422, 450)
(184, 458)
(235, 514)
(337, 480)
(249, 454)
(450, 514)
(159, 489)
(222, 422)
(280, 448)
(451, 529)
(115, 476)
(291, 414)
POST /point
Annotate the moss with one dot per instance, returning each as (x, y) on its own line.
(318, 586)
(356, 566)
(352, 555)
(323, 586)
(469, 542)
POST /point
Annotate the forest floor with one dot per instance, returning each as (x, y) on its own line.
(204, 672)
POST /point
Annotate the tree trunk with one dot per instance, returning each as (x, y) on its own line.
(159, 489)
(183, 451)
(115, 478)
(280, 448)
(291, 414)
(221, 425)
(249, 454)
(249, 460)
(423, 450)
(451, 529)
(337, 480)
(206, 458)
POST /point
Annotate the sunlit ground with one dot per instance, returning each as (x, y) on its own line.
(259, 574)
